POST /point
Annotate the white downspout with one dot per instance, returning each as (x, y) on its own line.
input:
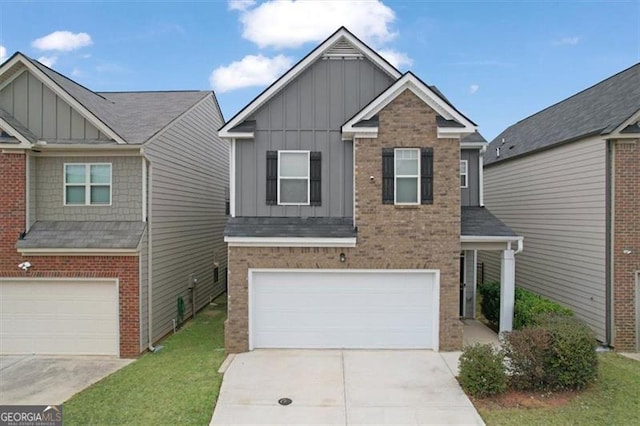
(149, 252)
(481, 175)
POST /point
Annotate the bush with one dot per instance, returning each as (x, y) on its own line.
(558, 353)
(482, 371)
(528, 306)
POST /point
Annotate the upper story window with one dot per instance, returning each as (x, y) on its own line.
(407, 176)
(293, 177)
(464, 174)
(87, 184)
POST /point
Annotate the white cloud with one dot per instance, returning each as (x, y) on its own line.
(397, 59)
(474, 88)
(3, 53)
(241, 5)
(63, 41)
(48, 60)
(566, 41)
(252, 70)
(290, 23)
(76, 72)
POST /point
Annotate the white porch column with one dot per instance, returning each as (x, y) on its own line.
(507, 289)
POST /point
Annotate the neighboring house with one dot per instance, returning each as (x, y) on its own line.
(354, 191)
(568, 179)
(117, 202)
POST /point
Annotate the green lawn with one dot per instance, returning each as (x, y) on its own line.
(613, 400)
(176, 386)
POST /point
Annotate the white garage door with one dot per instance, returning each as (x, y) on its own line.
(386, 309)
(61, 317)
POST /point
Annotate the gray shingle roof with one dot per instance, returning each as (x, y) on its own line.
(308, 227)
(473, 137)
(83, 235)
(479, 221)
(599, 109)
(134, 116)
(245, 126)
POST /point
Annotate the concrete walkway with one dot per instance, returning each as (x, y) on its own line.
(342, 387)
(51, 380)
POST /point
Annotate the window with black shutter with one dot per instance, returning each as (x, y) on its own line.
(272, 178)
(315, 178)
(426, 176)
(387, 175)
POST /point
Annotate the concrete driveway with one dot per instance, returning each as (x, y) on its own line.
(27, 380)
(343, 387)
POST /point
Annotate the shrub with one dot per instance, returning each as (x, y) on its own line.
(528, 306)
(490, 305)
(558, 353)
(482, 371)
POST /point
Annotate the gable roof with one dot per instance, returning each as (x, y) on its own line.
(128, 117)
(450, 121)
(598, 110)
(337, 38)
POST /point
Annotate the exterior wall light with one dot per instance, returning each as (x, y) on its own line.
(343, 258)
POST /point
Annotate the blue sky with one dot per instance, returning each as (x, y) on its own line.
(498, 62)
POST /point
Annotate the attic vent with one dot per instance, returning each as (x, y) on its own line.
(342, 48)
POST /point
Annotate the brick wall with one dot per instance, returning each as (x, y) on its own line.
(12, 222)
(626, 236)
(389, 237)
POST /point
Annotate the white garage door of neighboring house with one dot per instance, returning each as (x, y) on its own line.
(59, 317)
(384, 309)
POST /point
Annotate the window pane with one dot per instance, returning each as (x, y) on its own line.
(100, 195)
(100, 173)
(293, 191)
(408, 154)
(294, 164)
(74, 173)
(463, 181)
(407, 167)
(463, 167)
(75, 194)
(406, 190)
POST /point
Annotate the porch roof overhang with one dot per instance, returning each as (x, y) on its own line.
(481, 230)
(47, 238)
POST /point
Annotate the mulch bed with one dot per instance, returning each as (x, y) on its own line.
(522, 399)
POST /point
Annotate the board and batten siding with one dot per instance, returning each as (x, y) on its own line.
(189, 180)
(470, 196)
(556, 199)
(308, 114)
(43, 112)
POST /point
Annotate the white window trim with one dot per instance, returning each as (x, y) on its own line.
(465, 174)
(308, 177)
(396, 176)
(87, 184)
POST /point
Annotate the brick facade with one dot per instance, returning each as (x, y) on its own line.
(12, 223)
(626, 225)
(389, 236)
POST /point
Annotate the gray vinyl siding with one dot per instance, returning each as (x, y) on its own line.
(470, 196)
(189, 180)
(126, 190)
(308, 114)
(39, 109)
(32, 190)
(556, 200)
(144, 293)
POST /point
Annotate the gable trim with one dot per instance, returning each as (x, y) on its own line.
(296, 70)
(81, 109)
(24, 142)
(410, 82)
(617, 133)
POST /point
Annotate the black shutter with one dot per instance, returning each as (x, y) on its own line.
(426, 176)
(272, 178)
(315, 178)
(387, 175)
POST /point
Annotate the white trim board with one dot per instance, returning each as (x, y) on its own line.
(342, 33)
(410, 82)
(289, 242)
(77, 252)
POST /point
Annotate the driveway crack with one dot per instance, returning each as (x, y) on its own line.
(344, 384)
